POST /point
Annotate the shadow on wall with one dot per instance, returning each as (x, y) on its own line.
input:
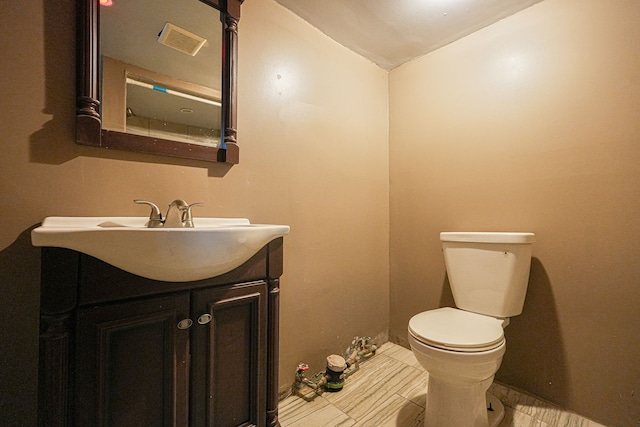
(446, 296)
(534, 344)
(19, 317)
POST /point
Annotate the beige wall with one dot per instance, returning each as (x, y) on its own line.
(313, 131)
(532, 124)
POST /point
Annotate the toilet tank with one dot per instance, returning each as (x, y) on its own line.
(488, 271)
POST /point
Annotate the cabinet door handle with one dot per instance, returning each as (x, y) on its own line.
(204, 319)
(185, 324)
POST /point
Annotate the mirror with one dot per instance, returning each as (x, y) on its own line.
(176, 94)
(161, 76)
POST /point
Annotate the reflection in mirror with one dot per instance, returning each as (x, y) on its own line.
(176, 114)
(161, 69)
(149, 53)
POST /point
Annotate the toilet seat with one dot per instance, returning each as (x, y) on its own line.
(457, 330)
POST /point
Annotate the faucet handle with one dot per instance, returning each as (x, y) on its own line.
(187, 219)
(155, 217)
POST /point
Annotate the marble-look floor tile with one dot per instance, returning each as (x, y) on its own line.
(372, 390)
(376, 370)
(513, 418)
(297, 412)
(547, 413)
(401, 354)
(389, 390)
(415, 389)
(394, 412)
(568, 419)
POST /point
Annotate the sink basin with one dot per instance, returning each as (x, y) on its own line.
(213, 247)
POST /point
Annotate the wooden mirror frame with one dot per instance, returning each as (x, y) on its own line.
(88, 121)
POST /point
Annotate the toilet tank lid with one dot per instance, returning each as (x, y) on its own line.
(488, 237)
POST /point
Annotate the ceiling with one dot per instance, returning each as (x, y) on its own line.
(392, 32)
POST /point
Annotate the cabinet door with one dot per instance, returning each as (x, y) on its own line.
(132, 364)
(229, 367)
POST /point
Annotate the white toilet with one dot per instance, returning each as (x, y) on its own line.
(461, 348)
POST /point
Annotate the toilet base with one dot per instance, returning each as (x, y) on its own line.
(497, 414)
(462, 405)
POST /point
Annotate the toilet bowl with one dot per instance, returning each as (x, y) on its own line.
(462, 348)
(461, 351)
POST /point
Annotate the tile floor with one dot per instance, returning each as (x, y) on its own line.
(389, 390)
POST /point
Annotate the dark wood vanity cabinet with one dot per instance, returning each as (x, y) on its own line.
(120, 350)
(131, 363)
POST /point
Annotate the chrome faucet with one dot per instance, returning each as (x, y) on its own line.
(178, 215)
(187, 218)
(155, 217)
(175, 213)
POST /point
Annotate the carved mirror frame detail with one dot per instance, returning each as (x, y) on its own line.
(88, 121)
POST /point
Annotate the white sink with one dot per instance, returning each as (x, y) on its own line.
(213, 247)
